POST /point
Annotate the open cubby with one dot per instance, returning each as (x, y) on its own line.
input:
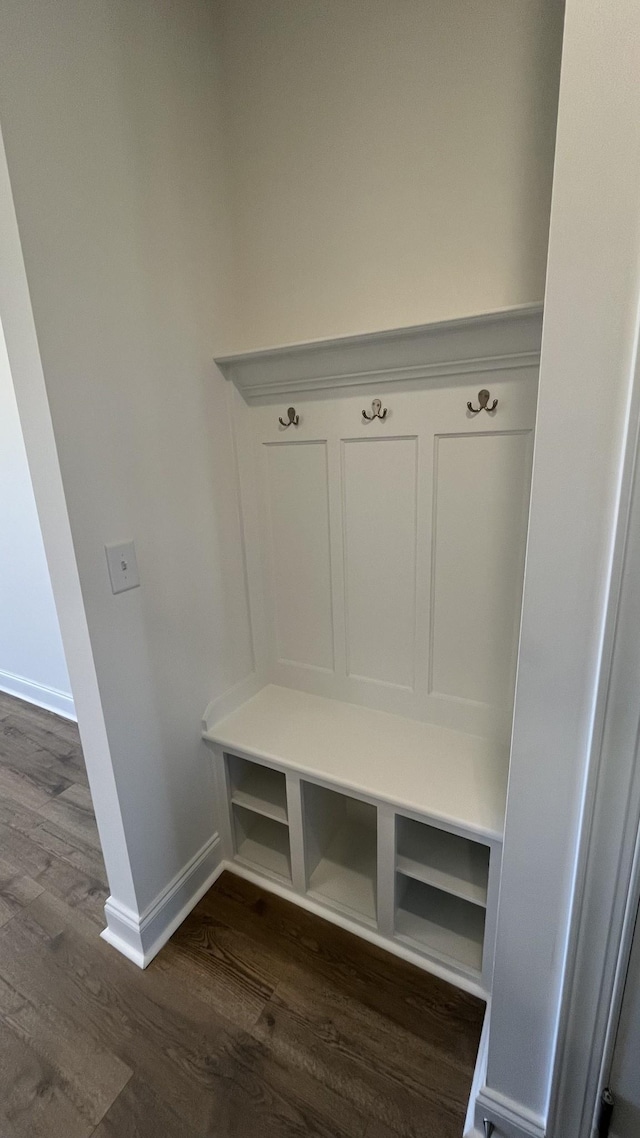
(262, 842)
(439, 923)
(258, 788)
(436, 857)
(340, 843)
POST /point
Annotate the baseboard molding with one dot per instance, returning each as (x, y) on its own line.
(140, 936)
(51, 699)
(479, 1077)
(511, 1119)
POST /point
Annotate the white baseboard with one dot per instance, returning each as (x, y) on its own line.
(51, 699)
(511, 1119)
(140, 936)
(479, 1076)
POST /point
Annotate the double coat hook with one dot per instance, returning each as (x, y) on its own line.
(292, 418)
(483, 400)
(377, 411)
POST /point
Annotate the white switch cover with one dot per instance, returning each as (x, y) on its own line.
(123, 567)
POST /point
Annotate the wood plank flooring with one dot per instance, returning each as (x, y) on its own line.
(257, 1020)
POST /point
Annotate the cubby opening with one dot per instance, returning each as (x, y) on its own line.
(340, 845)
(437, 922)
(262, 842)
(443, 860)
(258, 788)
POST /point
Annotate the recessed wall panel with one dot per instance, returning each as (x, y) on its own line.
(379, 507)
(297, 492)
(477, 559)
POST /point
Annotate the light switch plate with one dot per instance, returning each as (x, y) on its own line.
(123, 567)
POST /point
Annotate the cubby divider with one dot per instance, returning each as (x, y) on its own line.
(341, 854)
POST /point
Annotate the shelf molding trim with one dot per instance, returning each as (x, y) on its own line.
(496, 341)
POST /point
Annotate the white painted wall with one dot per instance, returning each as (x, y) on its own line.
(32, 663)
(390, 163)
(110, 119)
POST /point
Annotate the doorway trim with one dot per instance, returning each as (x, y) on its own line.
(23, 349)
(607, 891)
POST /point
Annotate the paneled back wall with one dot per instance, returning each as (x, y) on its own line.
(390, 552)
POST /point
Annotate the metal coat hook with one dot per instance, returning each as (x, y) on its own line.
(377, 411)
(292, 418)
(488, 1127)
(483, 400)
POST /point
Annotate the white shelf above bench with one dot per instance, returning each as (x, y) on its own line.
(457, 779)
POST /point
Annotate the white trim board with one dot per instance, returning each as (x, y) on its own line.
(471, 1130)
(511, 1119)
(495, 341)
(608, 876)
(140, 936)
(51, 699)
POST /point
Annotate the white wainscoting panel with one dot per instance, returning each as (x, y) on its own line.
(385, 555)
(479, 519)
(393, 550)
(379, 482)
(299, 553)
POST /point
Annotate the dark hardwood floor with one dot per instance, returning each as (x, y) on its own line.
(257, 1019)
